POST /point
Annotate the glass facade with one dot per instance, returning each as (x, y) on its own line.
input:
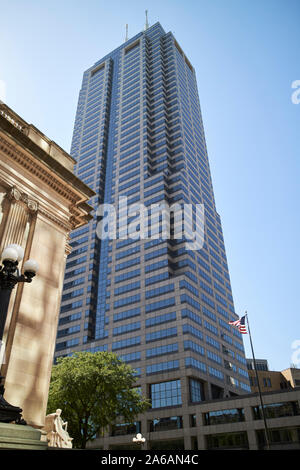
(166, 424)
(196, 390)
(138, 133)
(277, 410)
(125, 428)
(289, 437)
(233, 440)
(224, 416)
(165, 394)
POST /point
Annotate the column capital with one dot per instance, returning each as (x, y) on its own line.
(15, 195)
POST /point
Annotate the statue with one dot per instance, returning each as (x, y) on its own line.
(56, 430)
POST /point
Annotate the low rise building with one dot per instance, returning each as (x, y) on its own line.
(272, 380)
(228, 423)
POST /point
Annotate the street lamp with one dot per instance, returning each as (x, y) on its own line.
(10, 275)
(139, 439)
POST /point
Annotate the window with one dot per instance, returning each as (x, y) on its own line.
(160, 304)
(160, 334)
(186, 298)
(186, 313)
(165, 394)
(68, 331)
(156, 266)
(66, 308)
(156, 278)
(216, 373)
(186, 285)
(167, 317)
(166, 424)
(127, 288)
(190, 345)
(253, 381)
(126, 328)
(133, 312)
(132, 46)
(67, 344)
(127, 300)
(129, 275)
(211, 328)
(159, 291)
(213, 342)
(261, 366)
(191, 362)
(189, 329)
(155, 254)
(125, 428)
(277, 410)
(224, 416)
(267, 382)
(126, 343)
(74, 283)
(69, 318)
(237, 440)
(131, 357)
(193, 421)
(280, 436)
(214, 357)
(161, 350)
(162, 366)
(128, 252)
(196, 390)
(127, 264)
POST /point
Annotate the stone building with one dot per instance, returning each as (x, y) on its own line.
(41, 201)
(271, 380)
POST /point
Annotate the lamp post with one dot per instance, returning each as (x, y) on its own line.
(139, 439)
(10, 276)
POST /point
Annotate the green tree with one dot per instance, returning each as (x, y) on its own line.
(93, 389)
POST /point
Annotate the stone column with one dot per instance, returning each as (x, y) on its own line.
(17, 226)
(17, 208)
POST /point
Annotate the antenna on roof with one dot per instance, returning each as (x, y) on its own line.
(126, 34)
(146, 24)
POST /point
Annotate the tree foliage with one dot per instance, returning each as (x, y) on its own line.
(93, 390)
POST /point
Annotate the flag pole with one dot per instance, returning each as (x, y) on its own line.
(259, 390)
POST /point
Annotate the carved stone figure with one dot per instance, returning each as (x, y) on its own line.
(56, 430)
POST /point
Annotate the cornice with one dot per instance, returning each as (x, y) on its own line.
(37, 170)
(66, 225)
(41, 156)
(76, 202)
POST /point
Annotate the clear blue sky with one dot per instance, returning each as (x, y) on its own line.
(246, 55)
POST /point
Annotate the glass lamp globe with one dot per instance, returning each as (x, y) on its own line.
(31, 266)
(18, 249)
(139, 438)
(9, 254)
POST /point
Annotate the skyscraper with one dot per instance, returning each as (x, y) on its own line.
(159, 305)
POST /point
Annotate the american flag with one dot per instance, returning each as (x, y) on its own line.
(240, 324)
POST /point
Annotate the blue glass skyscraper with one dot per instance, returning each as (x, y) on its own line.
(157, 304)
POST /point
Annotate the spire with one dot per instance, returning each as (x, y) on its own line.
(126, 34)
(146, 24)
